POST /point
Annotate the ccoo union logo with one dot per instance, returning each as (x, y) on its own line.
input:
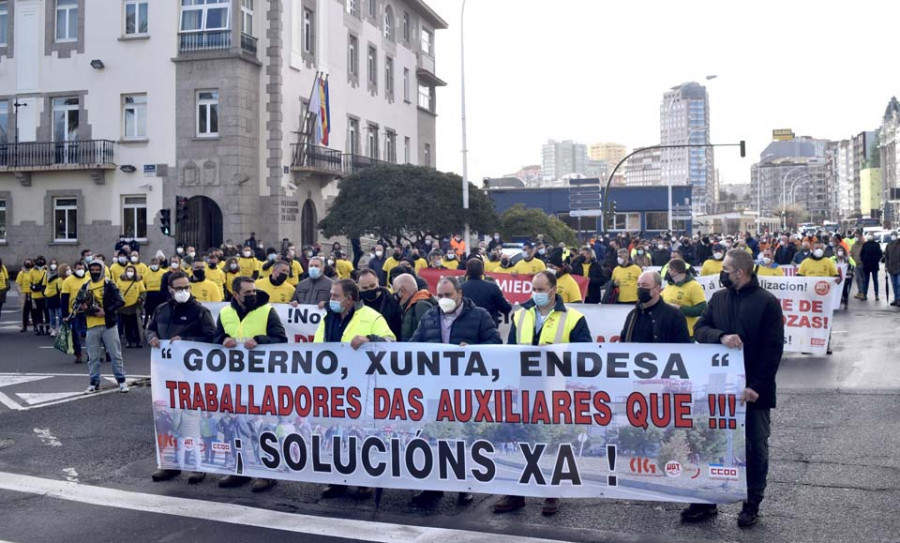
(718, 471)
(823, 288)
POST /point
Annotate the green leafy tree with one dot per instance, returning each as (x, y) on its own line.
(519, 221)
(674, 448)
(638, 441)
(707, 444)
(403, 200)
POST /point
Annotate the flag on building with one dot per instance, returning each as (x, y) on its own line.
(326, 110)
(315, 109)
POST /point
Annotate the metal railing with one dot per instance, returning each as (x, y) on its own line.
(206, 41)
(49, 154)
(312, 156)
(354, 163)
(248, 44)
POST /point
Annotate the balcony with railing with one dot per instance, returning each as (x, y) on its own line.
(355, 163)
(308, 157)
(69, 155)
(210, 40)
(248, 45)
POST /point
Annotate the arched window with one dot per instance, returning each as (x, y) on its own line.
(389, 23)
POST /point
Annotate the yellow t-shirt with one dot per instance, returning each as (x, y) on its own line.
(500, 269)
(452, 264)
(264, 271)
(53, 286)
(711, 267)
(686, 295)
(343, 268)
(568, 289)
(422, 263)
(229, 279)
(296, 272)
(153, 279)
(37, 277)
(23, 279)
(768, 271)
(71, 286)
(489, 265)
(280, 294)
(217, 276)
(4, 278)
(627, 278)
(249, 265)
(389, 265)
(824, 267)
(206, 291)
(97, 288)
(142, 269)
(529, 267)
(131, 290)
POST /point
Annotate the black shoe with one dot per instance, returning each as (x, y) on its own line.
(196, 477)
(165, 474)
(23, 330)
(261, 485)
(465, 498)
(232, 481)
(333, 491)
(749, 515)
(364, 492)
(698, 512)
(426, 497)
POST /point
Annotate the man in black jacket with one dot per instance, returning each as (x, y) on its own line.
(653, 320)
(181, 318)
(745, 315)
(784, 254)
(380, 299)
(484, 294)
(871, 255)
(99, 299)
(455, 321)
(587, 266)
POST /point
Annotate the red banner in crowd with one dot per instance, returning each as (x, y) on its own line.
(515, 287)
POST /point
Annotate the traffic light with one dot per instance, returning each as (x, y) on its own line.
(743, 148)
(165, 221)
(181, 210)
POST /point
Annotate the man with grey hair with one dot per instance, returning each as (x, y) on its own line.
(745, 315)
(652, 320)
(414, 303)
(315, 289)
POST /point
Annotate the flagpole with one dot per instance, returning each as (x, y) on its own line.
(465, 151)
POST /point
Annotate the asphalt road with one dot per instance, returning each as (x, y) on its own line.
(76, 468)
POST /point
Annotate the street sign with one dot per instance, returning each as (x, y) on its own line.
(585, 212)
(585, 198)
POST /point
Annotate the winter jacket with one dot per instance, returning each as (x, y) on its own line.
(274, 329)
(800, 256)
(190, 321)
(312, 291)
(659, 323)
(892, 257)
(486, 295)
(415, 308)
(112, 301)
(755, 315)
(660, 257)
(597, 278)
(474, 326)
(387, 305)
(870, 255)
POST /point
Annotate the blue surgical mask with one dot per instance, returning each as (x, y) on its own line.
(540, 298)
(335, 306)
(315, 273)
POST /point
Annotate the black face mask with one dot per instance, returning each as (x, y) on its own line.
(644, 295)
(725, 279)
(369, 295)
(28, 265)
(398, 255)
(200, 275)
(213, 265)
(96, 276)
(250, 300)
(41, 262)
(277, 279)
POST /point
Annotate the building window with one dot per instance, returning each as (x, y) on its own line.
(659, 221)
(389, 23)
(406, 31)
(353, 7)
(4, 122)
(134, 116)
(388, 75)
(134, 217)
(65, 218)
(373, 66)
(136, 22)
(627, 221)
(66, 20)
(309, 25)
(427, 153)
(4, 23)
(426, 97)
(406, 144)
(204, 15)
(207, 113)
(65, 119)
(353, 134)
(390, 151)
(427, 42)
(247, 17)
(406, 85)
(2, 220)
(373, 9)
(373, 141)
(353, 54)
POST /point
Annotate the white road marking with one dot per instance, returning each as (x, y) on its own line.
(71, 475)
(42, 375)
(246, 516)
(47, 438)
(32, 398)
(10, 403)
(8, 379)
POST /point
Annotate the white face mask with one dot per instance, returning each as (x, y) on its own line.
(68, 273)
(660, 246)
(53, 267)
(154, 267)
(247, 254)
(174, 265)
(79, 273)
(551, 271)
(379, 253)
(621, 261)
(717, 256)
(818, 253)
(767, 261)
(448, 305)
(129, 275)
(182, 296)
(134, 259)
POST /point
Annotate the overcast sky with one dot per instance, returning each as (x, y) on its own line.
(595, 70)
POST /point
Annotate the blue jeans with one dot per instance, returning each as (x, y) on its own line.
(79, 330)
(895, 283)
(97, 336)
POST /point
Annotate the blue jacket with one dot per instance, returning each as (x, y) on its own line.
(486, 295)
(474, 326)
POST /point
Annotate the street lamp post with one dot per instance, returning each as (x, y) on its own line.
(465, 150)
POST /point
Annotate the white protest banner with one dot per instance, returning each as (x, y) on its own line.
(618, 421)
(300, 323)
(807, 303)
